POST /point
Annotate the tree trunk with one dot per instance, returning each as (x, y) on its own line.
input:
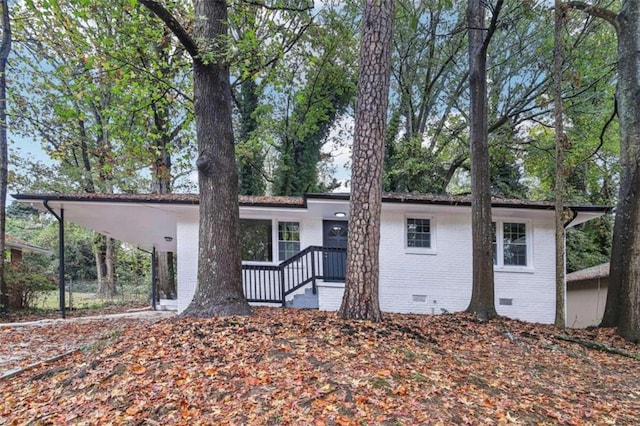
(5, 48)
(561, 139)
(161, 173)
(360, 299)
(219, 283)
(482, 295)
(110, 267)
(105, 267)
(166, 275)
(623, 301)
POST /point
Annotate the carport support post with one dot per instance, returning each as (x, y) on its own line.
(154, 281)
(61, 265)
(61, 271)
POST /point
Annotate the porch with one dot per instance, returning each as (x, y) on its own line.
(278, 283)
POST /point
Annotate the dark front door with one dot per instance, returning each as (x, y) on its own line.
(335, 234)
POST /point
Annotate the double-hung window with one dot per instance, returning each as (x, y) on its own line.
(288, 239)
(511, 245)
(419, 235)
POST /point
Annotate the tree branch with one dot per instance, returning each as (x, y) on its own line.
(172, 23)
(493, 25)
(598, 12)
(263, 4)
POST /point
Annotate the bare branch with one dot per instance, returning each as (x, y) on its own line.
(598, 12)
(493, 25)
(263, 4)
(172, 23)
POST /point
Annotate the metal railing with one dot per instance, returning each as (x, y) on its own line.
(273, 283)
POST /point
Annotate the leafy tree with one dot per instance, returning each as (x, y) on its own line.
(249, 151)
(109, 105)
(482, 297)
(219, 282)
(317, 88)
(5, 49)
(430, 104)
(623, 298)
(561, 146)
(360, 299)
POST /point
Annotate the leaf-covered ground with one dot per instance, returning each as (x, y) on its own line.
(284, 366)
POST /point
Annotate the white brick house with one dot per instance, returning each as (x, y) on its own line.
(425, 251)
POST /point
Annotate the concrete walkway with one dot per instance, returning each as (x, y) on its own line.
(143, 314)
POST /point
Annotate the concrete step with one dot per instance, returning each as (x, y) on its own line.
(308, 300)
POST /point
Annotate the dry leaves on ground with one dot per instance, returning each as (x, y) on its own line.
(285, 366)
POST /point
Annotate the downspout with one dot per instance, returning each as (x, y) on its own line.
(154, 280)
(61, 271)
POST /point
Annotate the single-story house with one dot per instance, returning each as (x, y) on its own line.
(17, 247)
(587, 296)
(295, 247)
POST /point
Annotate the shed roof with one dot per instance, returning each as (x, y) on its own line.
(150, 220)
(598, 271)
(16, 243)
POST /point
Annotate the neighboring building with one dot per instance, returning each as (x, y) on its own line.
(294, 245)
(587, 296)
(16, 247)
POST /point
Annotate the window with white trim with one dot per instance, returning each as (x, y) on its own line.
(511, 245)
(288, 239)
(419, 234)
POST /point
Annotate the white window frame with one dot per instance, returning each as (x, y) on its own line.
(277, 240)
(499, 265)
(275, 257)
(432, 232)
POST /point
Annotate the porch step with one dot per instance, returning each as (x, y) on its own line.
(308, 300)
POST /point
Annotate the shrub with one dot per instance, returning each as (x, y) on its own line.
(24, 285)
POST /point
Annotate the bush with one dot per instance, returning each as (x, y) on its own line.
(24, 285)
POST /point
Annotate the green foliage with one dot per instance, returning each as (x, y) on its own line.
(315, 86)
(24, 284)
(589, 244)
(103, 102)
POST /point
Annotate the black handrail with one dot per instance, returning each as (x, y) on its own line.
(273, 283)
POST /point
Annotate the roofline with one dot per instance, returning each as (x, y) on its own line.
(192, 199)
(113, 198)
(499, 203)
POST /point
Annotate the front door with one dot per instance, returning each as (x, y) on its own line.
(335, 234)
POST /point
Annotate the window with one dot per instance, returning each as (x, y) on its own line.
(515, 244)
(256, 241)
(288, 239)
(510, 244)
(419, 233)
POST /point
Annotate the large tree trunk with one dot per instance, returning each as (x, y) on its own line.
(482, 295)
(561, 139)
(5, 48)
(166, 275)
(219, 286)
(360, 299)
(623, 301)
